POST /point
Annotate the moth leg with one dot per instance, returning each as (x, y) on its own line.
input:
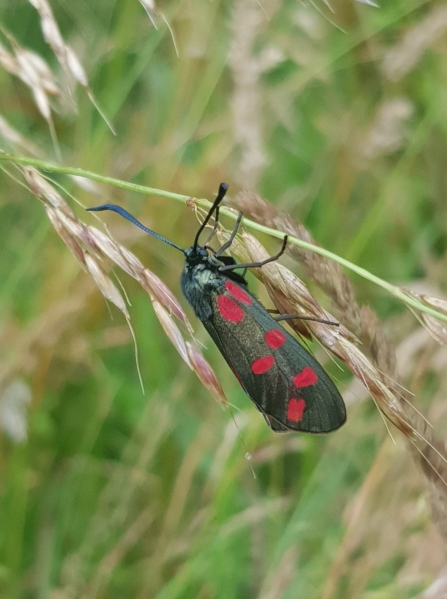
(257, 264)
(228, 243)
(296, 317)
(213, 232)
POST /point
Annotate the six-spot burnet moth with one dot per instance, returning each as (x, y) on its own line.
(278, 374)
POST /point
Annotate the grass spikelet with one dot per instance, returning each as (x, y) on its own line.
(326, 273)
(344, 129)
(73, 233)
(407, 52)
(104, 284)
(155, 286)
(16, 139)
(128, 262)
(339, 340)
(289, 294)
(246, 69)
(66, 236)
(172, 331)
(206, 374)
(153, 12)
(164, 302)
(35, 73)
(435, 327)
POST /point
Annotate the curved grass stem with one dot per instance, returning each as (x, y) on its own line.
(393, 290)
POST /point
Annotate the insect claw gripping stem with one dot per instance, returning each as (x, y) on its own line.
(258, 264)
(213, 232)
(228, 243)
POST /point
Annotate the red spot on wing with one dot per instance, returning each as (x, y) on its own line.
(237, 292)
(274, 338)
(295, 409)
(261, 365)
(228, 309)
(305, 378)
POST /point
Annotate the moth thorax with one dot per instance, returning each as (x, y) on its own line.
(197, 282)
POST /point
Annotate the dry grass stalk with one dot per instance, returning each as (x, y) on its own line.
(64, 53)
(34, 72)
(377, 372)
(387, 132)
(153, 12)
(23, 358)
(52, 35)
(248, 21)
(438, 588)
(90, 246)
(165, 304)
(16, 139)
(328, 275)
(153, 285)
(288, 293)
(205, 373)
(436, 328)
(71, 231)
(285, 288)
(405, 55)
(15, 397)
(172, 331)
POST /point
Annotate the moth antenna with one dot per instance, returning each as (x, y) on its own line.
(132, 219)
(220, 196)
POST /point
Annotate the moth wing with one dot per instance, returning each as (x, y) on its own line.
(279, 375)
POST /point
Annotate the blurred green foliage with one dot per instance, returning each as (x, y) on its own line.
(337, 116)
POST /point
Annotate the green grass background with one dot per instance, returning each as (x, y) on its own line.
(118, 495)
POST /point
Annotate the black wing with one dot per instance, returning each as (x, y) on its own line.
(279, 375)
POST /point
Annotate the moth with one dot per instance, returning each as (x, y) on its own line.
(284, 381)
